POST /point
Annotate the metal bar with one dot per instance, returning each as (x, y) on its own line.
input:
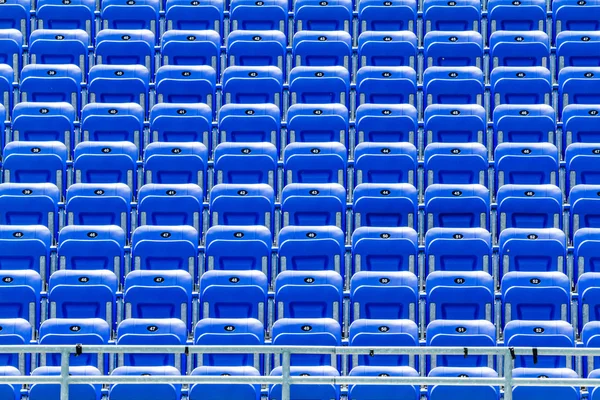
(507, 363)
(65, 355)
(285, 373)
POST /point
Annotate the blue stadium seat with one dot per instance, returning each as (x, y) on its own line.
(16, 331)
(475, 289)
(579, 124)
(308, 204)
(569, 15)
(106, 162)
(83, 294)
(581, 164)
(6, 86)
(319, 85)
(65, 46)
(307, 332)
(372, 251)
(387, 49)
(525, 16)
(32, 162)
(526, 164)
(584, 214)
(29, 204)
(386, 123)
(377, 15)
(310, 15)
(538, 296)
(11, 49)
(161, 248)
(381, 392)
(586, 242)
(457, 206)
(520, 85)
(381, 204)
(229, 332)
(242, 204)
(75, 14)
(238, 248)
(158, 294)
(315, 163)
(15, 15)
(589, 306)
(194, 15)
(176, 163)
(309, 294)
(385, 163)
(539, 334)
(577, 49)
(453, 85)
(455, 124)
(453, 49)
(208, 391)
(99, 204)
(25, 248)
(322, 48)
(52, 392)
(594, 392)
(51, 83)
(307, 392)
(246, 163)
(529, 206)
(383, 85)
(71, 331)
(317, 123)
(119, 84)
(519, 49)
(20, 298)
(152, 332)
(234, 294)
(92, 248)
(440, 392)
(171, 204)
(257, 48)
(181, 123)
(191, 48)
(249, 123)
(122, 14)
(545, 392)
(165, 391)
(524, 123)
(384, 295)
(383, 332)
(252, 85)
(458, 249)
(461, 333)
(311, 248)
(454, 16)
(270, 15)
(186, 84)
(578, 85)
(112, 123)
(589, 332)
(532, 250)
(125, 47)
(460, 163)
(44, 122)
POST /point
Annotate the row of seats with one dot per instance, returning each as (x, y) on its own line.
(309, 48)
(382, 123)
(461, 15)
(298, 332)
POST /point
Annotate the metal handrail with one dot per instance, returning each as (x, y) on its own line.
(285, 380)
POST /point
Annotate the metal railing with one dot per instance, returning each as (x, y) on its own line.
(505, 380)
